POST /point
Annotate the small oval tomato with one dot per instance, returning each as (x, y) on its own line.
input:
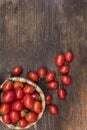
(41, 71)
(19, 93)
(31, 117)
(52, 85)
(59, 60)
(33, 76)
(48, 99)
(14, 116)
(28, 89)
(17, 105)
(37, 107)
(28, 101)
(68, 56)
(36, 96)
(61, 93)
(53, 109)
(8, 85)
(6, 119)
(18, 84)
(50, 76)
(17, 70)
(66, 80)
(23, 112)
(22, 123)
(8, 96)
(5, 108)
(64, 69)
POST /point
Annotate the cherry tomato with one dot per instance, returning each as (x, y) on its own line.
(36, 96)
(68, 56)
(50, 76)
(31, 117)
(61, 93)
(53, 109)
(5, 108)
(59, 60)
(28, 101)
(17, 106)
(14, 116)
(53, 85)
(8, 85)
(64, 69)
(37, 107)
(41, 71)
(18, 84)
(28, 89)
(17, 70)
(48, 99)
(33, 76)
(6, 119)
(66, 80)
(19, 93)
(8, 96)
(22, 123)
(23, 113)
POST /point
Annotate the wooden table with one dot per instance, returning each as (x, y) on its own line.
(31, 32)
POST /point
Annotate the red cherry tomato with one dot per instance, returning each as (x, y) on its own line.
(53, 109)
(28, 89)
(64, 69)
(59, 60)
(53, 85)
(66, 80)
(68, 56)
(6, 119)
(61, 93)
(48, 99)
(5, 108)
(18, 84)
(19, 93)
(37, 107)
(22, 123)
(17, 105)
(28, 101)
(14, 116)
(17, 70)
(50, 76)
(23, 113)
(31, 117)
(33, 76)
(36, 96)
(41, 71)
(8, 96)
(8, 85)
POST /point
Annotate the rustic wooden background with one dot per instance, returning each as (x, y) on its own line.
(31, 32)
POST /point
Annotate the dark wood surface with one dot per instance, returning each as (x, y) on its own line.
(31, 32)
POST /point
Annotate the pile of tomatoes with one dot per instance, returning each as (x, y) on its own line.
(20, 103)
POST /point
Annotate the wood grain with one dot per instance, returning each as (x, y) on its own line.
(31, 32)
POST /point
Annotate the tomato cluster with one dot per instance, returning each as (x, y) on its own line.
(20, 103)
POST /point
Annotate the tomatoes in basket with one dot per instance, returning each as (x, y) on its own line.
(8, 96)
(28, 101)
(18, 84)
(33, 76)
(14, 116)
(17, 105)
(37, 107)
(36, 96)
(5, 108)
(28, 89)
(8, 85)
(22, 123)
(59, 60)
(17, 70)
(31, 117)
(19, 93)
(53, 109)
(50, 76)
(6, 119)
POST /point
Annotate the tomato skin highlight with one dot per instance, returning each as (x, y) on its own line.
(41, 71)
(64, 69)
(37, 107)
(53, 109)
(6, 119)
(31, 117)
(17, 70)
(8, 85)
(48, 99)
(68, 56)
(65, 79)
(61, 93)
(36, 96)
(19, 93)
(17, 105)
(22, 123)
(50, 76)
(33, 76)
(52, 85)
(14, 116)
(28, 89)
(59, 60)
(5, 108)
